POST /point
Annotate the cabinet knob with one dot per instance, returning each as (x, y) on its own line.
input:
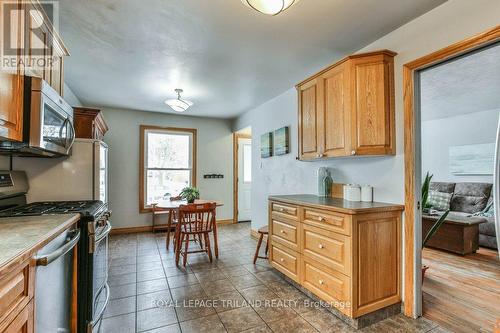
(321, 246)
(282, 260)
(283, 231)
(353, 152)
(321, 219)
(321, 282)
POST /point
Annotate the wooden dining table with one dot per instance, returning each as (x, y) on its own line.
(171, 207)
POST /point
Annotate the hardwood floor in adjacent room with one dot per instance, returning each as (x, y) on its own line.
(461, 293)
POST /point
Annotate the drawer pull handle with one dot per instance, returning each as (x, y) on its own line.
(283, 231)
(321, 246)
(281, 209)
(282, 260)
(321, 219)
(321, 282)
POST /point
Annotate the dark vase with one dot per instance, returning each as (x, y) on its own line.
(190, 200)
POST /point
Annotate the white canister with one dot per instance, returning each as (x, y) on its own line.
(367, 193)
(352, 192)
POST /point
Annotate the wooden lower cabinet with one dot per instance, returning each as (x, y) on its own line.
(349, 259)
(17, 286)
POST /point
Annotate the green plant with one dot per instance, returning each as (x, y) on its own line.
(435, 227)
(425, 205)
(190, 194)
(425, 190)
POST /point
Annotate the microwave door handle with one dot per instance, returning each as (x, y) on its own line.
(73, 134)
(51, 257)
(64, 126)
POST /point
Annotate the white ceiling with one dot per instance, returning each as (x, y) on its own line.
(226, 57)
(465, 85)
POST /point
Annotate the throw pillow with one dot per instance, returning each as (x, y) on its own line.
(489, 211)
(439, 200)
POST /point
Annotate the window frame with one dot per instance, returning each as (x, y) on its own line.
(144, 129)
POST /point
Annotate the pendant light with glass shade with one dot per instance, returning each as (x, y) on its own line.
(179, 104)
(270, 7)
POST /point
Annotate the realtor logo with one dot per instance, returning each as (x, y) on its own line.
(27, 34)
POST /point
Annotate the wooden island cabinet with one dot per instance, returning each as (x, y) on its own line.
(348, 108)
(345, 253)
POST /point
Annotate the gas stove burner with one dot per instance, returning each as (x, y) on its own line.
(55, 207)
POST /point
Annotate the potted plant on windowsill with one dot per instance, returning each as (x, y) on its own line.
(426, 209)
(190, 194)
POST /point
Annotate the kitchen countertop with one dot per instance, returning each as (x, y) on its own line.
(21, 237)
(335, 204)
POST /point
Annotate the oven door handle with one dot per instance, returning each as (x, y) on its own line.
(90, 326)
(102, 235)
(51, 257)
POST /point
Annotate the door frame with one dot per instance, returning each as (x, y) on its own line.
(236, 137)
(412, 227)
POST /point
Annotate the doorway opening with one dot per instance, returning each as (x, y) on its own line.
(242, 175)
(447, 101)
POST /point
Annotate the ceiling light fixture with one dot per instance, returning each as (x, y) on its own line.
(179, 104)
(270, 7)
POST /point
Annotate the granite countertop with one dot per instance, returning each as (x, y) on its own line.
(340, 205)
(21, 237)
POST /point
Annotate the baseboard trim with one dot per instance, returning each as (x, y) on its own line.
(131, 230)
(228, 221)
(254, 234)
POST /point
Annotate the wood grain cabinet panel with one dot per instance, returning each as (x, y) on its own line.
(24, 322)
(308, 119)
(284, 210)
(348, 108)
(285, 260)
(89, 123)
(285, 234)
(328, 248)
(352, 257)
(328, 220)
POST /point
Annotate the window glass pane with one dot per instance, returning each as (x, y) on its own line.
(247, 163)
(167, 150)
(162, 184)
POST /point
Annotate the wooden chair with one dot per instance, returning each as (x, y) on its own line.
(195, 220)
(262, 231)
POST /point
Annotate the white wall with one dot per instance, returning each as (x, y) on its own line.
(438, 135)
(214, 156)
(451, 22)
(70, 97)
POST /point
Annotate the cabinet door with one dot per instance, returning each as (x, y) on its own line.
(56, 70)
(11, 87)
(335, 140)
(309, 120)
(373, 106)
(24, 322)
(37, 38)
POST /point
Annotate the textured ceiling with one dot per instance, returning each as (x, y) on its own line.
(226, 57)
(465, 85)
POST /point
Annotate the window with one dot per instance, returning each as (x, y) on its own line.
(168, 163)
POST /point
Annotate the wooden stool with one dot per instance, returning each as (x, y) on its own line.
(262, 231)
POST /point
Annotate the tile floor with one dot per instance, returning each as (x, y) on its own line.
(150, 294)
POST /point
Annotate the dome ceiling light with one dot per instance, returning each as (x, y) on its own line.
(179, 104)
(270, 7)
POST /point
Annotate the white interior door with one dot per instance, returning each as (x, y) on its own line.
(244, 179)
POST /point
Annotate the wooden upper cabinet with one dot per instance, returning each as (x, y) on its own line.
(89, 123)
(373, 105)
(335, 121)
(348, 108)
(309, 119)
(11, 87)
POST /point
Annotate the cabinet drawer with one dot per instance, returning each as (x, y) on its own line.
(328, 220)
(16, 289)
(23, 322)
(285, 260)
(328, 285)
(284, 210)
(285, 234)
(328, 248)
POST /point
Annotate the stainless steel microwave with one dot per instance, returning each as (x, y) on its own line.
(47, 122)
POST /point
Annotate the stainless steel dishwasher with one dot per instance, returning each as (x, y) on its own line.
(55, 271)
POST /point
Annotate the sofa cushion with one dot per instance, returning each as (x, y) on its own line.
(442, 187)
(470, 197)
(488, 241)
(488, 228)
(439, 200)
